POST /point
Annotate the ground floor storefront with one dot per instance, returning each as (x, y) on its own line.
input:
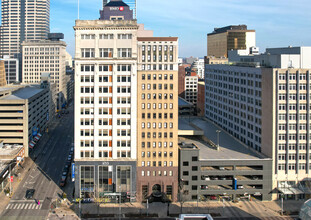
(105, 180)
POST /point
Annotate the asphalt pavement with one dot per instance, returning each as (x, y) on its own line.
(49, 158)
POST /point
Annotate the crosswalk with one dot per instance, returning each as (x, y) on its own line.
(24, 206)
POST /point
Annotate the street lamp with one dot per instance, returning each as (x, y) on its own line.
(120, 203)
(218, 131)
(10, 174)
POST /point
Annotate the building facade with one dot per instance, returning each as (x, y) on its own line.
(191, 87)
(234, 37)
(11, 69)
(22, 21)
(46, 56)
(182, 71)
(198, 67)
(2, 74)
(28, 109)
(157, 117)
(268, 110)
(105, 106)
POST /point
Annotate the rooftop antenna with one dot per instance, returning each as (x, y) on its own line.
(78, 10)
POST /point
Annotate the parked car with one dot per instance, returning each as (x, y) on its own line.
(69, 158)
(240, 187)
(213, 198)
(62, 182)
(64, 175)
(30, 193)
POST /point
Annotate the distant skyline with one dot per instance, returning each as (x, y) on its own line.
(277, 23)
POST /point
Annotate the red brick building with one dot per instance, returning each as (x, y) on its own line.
(201, 98)
(181, 79)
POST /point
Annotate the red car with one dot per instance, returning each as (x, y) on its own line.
(213, 198)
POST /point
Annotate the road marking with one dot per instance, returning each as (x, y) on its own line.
(26, 206)
(40, 206)
(19, 205)
(15, 205)
(22, 207)
(9, 205)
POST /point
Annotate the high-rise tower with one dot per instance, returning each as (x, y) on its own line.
(21, 21)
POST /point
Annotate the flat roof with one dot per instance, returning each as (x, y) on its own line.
(183, 103)
(10, 150)
(157, 38)
(230, 147)
(23, 93)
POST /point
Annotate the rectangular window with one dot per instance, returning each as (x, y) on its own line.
(88, 52)
(106, 52)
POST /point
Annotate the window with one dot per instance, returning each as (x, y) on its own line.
(105, 52)
(88, 52)
(106, 36)
(87, 36)
(124, 36)
(124, 52)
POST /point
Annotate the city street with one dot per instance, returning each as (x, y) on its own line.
(49, 157)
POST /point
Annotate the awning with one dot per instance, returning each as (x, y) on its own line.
(37, 138)
(285, 191)
(296, 191)
(31, 145)
(306, 190)
(39, 135)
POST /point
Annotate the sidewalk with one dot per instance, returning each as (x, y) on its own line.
(215, 208)
(4, 200)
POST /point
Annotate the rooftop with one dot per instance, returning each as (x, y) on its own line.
(230, 148)
(10, 150)
(157, 38)
(116, 4)
(183, 103)
(22, 93)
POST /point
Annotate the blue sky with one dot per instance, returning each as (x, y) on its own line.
(277, 22)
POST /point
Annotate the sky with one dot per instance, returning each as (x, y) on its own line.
(278, 23)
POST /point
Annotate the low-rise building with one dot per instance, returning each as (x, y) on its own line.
(215, 165)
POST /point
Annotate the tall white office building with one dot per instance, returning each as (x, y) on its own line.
(22, 21)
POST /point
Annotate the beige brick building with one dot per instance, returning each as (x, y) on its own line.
(2, 74)
(46, 56)
(157, 117)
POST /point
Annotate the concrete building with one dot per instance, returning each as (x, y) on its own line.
(211, 162)
(11, 69)
(233, 37)
(24, 114)
(267, 109)
(285, 57)
(22, 21)
(191, 87)
(157, 110)
(198, 67)
(106, 103)
(42, 56)
(2, 74)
